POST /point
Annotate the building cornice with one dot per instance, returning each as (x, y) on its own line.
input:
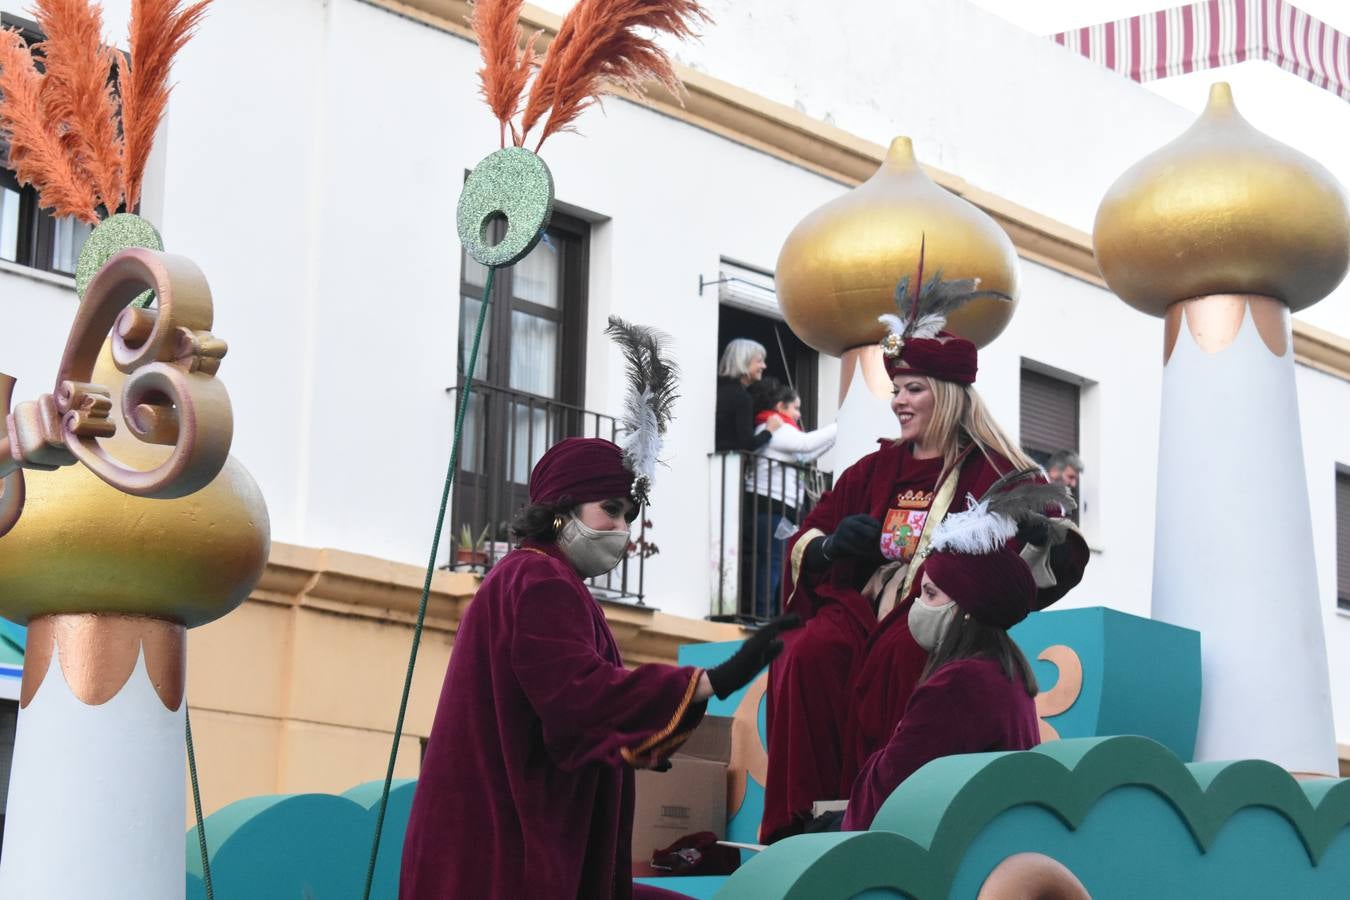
(792, 136)
(355, 585)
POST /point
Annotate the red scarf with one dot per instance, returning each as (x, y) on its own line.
(765, 415)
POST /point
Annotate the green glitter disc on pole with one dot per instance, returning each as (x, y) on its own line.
(111, 237)
(511, 184)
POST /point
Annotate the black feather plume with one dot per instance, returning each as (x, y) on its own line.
(649, 404)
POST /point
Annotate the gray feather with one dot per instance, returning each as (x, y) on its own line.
(649, 404)
(937, 300)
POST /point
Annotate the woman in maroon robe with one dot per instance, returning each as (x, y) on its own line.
(976, 693)
(526, 789)
(840, 687)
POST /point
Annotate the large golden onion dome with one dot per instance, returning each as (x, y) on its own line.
(1223, 209)
(839, 267)
(82, 546)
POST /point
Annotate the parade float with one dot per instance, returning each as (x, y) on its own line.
(1187, 755)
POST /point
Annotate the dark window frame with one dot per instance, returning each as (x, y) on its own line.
(1052, 387)
(36, 245)
(1341, 512)
(574, 240)
(1032, 378)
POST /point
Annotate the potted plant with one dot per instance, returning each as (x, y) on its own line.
(469, 550)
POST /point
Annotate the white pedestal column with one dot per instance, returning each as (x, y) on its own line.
(864, 407)
(1233, 554)
(96, 795)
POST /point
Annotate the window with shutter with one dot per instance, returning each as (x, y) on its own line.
(9, 720)
(1343, 540)
(1049, 414)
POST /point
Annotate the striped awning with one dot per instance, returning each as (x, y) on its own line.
(1216, 33)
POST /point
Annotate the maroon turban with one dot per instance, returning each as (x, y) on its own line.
(996, 588)
(946, 357)
(580, 470)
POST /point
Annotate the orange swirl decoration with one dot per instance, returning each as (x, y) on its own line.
(171, 396)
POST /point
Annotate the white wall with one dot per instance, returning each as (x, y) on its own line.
(317, 190)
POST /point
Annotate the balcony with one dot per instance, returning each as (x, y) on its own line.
(755, 503)
(505, 433)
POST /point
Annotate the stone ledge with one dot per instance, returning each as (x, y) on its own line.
(354, 584)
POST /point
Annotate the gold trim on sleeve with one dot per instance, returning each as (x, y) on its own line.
(630, 754)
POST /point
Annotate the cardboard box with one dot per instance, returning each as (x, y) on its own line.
(691, 797)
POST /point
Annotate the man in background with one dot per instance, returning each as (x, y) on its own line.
(1065, 467)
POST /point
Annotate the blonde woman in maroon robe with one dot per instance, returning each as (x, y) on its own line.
(974, 587)
(526, 789)
(838, 690)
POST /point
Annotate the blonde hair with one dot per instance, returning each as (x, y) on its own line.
(960, 418)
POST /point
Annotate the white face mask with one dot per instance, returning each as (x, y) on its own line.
(591, 552)
(929, 623)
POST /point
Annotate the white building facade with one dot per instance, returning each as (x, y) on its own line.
(311, 161)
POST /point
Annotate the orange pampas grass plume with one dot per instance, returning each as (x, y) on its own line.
(35, 148)
(159, 29)
(77, 91)
(598, 51)
(506, 65)
(77, 141)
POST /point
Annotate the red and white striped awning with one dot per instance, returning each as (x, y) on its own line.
(1216, 33)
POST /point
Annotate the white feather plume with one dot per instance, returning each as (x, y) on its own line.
(640, 438)
(929, 326)
(975, 530)
(893, 323)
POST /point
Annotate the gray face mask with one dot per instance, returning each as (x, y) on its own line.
(929, 623)
(591, 552)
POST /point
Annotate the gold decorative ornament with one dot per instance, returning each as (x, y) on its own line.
(119, 496)
(98, 652)
(1223, 209)
(1068, 686)
(839, 267)
(83, 545)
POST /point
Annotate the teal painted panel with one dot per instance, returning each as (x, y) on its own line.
(284, 847)
(1122, 813)
(14, 635)
(700, 887)
(1139, 676)
(1133, 844)
(743, 823)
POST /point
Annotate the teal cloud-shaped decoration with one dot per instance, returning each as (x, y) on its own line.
(302, 846)
(1124, 815)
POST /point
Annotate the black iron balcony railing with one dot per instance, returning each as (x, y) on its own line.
(757, 503)
(505, 433)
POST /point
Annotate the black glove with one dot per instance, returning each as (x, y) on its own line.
(758, 651)
(1034, 531)
(855, 536)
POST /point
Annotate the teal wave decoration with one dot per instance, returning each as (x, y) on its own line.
(302, 846)
(1124, 814)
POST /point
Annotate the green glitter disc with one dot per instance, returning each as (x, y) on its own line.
(513, 184)
(112, 236)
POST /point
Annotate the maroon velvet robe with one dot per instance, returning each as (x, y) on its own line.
(967, 706)
(841, 685)
(526, 789)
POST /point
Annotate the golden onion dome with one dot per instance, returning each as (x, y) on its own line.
(82, 546)
(1223, 209)
(839, 267)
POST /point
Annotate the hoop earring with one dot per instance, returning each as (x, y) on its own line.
(557, 524)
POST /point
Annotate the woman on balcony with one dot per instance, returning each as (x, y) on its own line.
(526, 789)
(742, 365)
(777, 487)
(841, 686)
